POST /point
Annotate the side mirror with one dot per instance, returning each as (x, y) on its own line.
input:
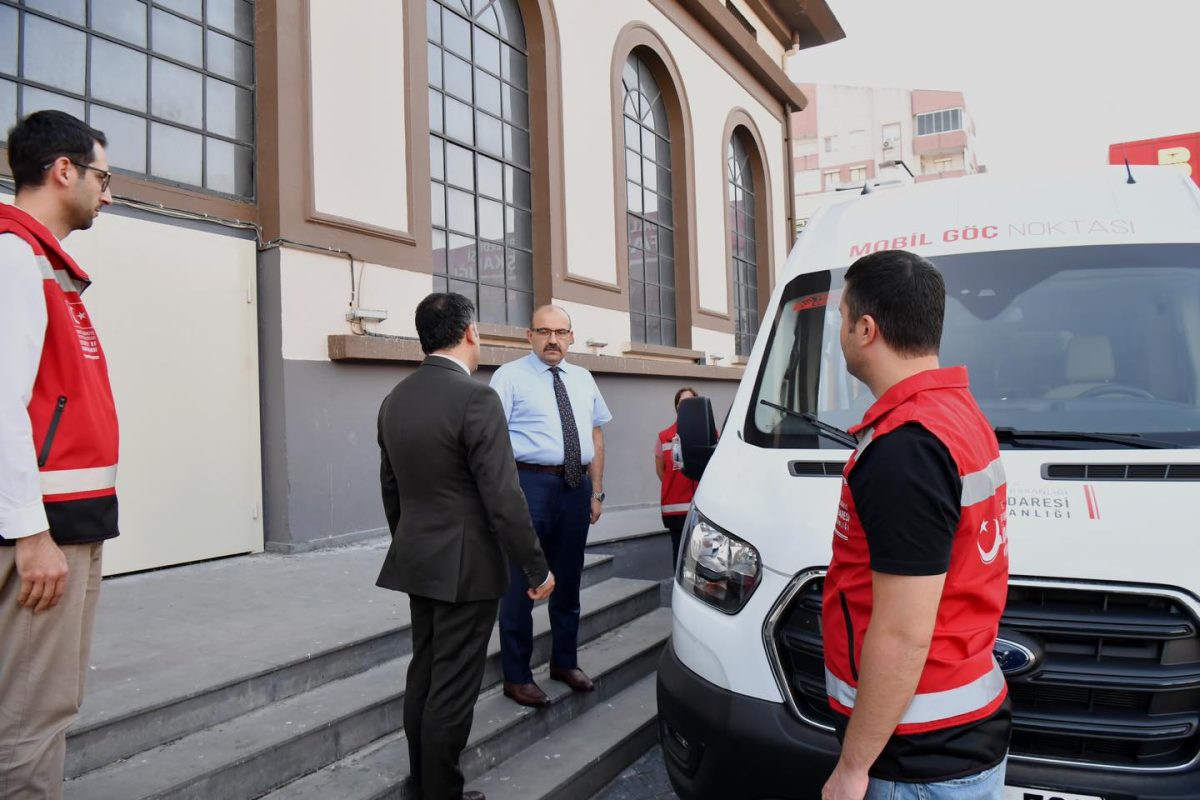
(697, 429)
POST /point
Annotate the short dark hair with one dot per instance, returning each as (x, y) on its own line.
(42, 137)
(442, 320)
(905, 294)
(679, 394)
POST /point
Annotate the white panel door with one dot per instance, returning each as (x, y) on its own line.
(175, 309)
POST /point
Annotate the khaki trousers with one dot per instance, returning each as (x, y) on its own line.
(43, 662)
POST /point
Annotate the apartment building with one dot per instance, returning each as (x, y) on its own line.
(851, 135)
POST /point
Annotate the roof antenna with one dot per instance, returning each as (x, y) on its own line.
(867, 188)
(1128, 172)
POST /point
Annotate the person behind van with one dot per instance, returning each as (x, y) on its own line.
(677, 489)
(919, 574)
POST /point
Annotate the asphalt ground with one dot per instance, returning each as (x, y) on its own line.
(645, 779)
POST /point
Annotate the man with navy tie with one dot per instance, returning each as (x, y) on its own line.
(555, 416)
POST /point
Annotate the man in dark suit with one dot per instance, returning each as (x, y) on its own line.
(456, 510)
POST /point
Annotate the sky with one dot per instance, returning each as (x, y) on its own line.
(1050, 83)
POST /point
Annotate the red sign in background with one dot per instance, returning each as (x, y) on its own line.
(1181, 151)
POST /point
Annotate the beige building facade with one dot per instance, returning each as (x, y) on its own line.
(302, 172)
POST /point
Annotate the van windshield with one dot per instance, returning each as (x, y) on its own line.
(1077, 339)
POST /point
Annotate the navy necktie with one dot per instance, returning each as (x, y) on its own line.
(572, 463)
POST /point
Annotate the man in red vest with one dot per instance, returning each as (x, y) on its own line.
(919, 574)
(58, 448)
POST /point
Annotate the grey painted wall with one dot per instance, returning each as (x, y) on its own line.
(642, 407)
(321, 460)
(272, 401)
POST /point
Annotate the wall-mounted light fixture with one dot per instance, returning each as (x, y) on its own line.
(366, 315)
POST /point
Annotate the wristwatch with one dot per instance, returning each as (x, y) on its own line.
(598, 496)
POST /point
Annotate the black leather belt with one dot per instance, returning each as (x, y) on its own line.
(549, 469)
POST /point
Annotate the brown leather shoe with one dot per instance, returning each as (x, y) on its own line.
(473, 795)
(576, 678)
(527, 694)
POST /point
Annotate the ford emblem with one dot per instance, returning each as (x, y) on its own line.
(1013, 658)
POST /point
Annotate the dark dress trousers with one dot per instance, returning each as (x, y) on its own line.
(561, 516)
(456, 511)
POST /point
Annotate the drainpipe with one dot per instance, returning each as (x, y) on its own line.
(790, 174)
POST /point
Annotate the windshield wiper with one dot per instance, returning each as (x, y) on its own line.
(836, 434)
(1127, 439)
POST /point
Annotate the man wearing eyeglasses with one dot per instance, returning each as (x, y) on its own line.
(58, 448)
(555, 416)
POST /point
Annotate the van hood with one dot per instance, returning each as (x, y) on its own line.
(1142, 531)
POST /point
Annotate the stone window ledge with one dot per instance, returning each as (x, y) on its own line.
(658, 351)
(502, 333)
(401, 350)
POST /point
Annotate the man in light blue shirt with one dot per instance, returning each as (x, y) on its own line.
(555, 416)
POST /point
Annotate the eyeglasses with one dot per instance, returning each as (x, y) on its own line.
(561, 333)
(105, 175)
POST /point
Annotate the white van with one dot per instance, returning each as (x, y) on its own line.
(1075, 305)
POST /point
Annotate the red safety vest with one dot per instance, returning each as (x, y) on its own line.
(72, 412)
(677, 490)
(961, 681)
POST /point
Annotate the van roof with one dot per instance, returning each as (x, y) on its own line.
(988, 213)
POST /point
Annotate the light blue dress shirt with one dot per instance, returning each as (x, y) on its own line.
(526, 389)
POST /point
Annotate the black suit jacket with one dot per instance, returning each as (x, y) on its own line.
(450, 490)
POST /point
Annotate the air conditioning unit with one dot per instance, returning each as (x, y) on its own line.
(889, 144)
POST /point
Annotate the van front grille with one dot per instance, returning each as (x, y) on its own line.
(1121, 472)
(1116, 685)
(819, 469)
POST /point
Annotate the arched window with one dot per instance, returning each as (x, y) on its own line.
(479, 156)
(743, 244)
(649, 209)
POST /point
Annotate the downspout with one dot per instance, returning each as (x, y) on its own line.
(790, 172)
(790, 161)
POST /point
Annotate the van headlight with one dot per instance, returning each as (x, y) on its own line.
(717, 567)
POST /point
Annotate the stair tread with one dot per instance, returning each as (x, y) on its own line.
(273, 726)
(139, 671)
(374, 770)
(540, 770)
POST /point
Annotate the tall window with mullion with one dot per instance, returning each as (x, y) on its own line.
(479, 156)
(743, 244)
(171, 82)
(649, 208)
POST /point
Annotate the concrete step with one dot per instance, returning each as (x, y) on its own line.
(580, 758)
(161, 689)
(501, 729)
(268, 746)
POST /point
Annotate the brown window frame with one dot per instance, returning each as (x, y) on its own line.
(740, 121)
(639, 36)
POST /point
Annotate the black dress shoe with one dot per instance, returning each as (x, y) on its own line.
(410, 789)
(576, 678)
(527, 694)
